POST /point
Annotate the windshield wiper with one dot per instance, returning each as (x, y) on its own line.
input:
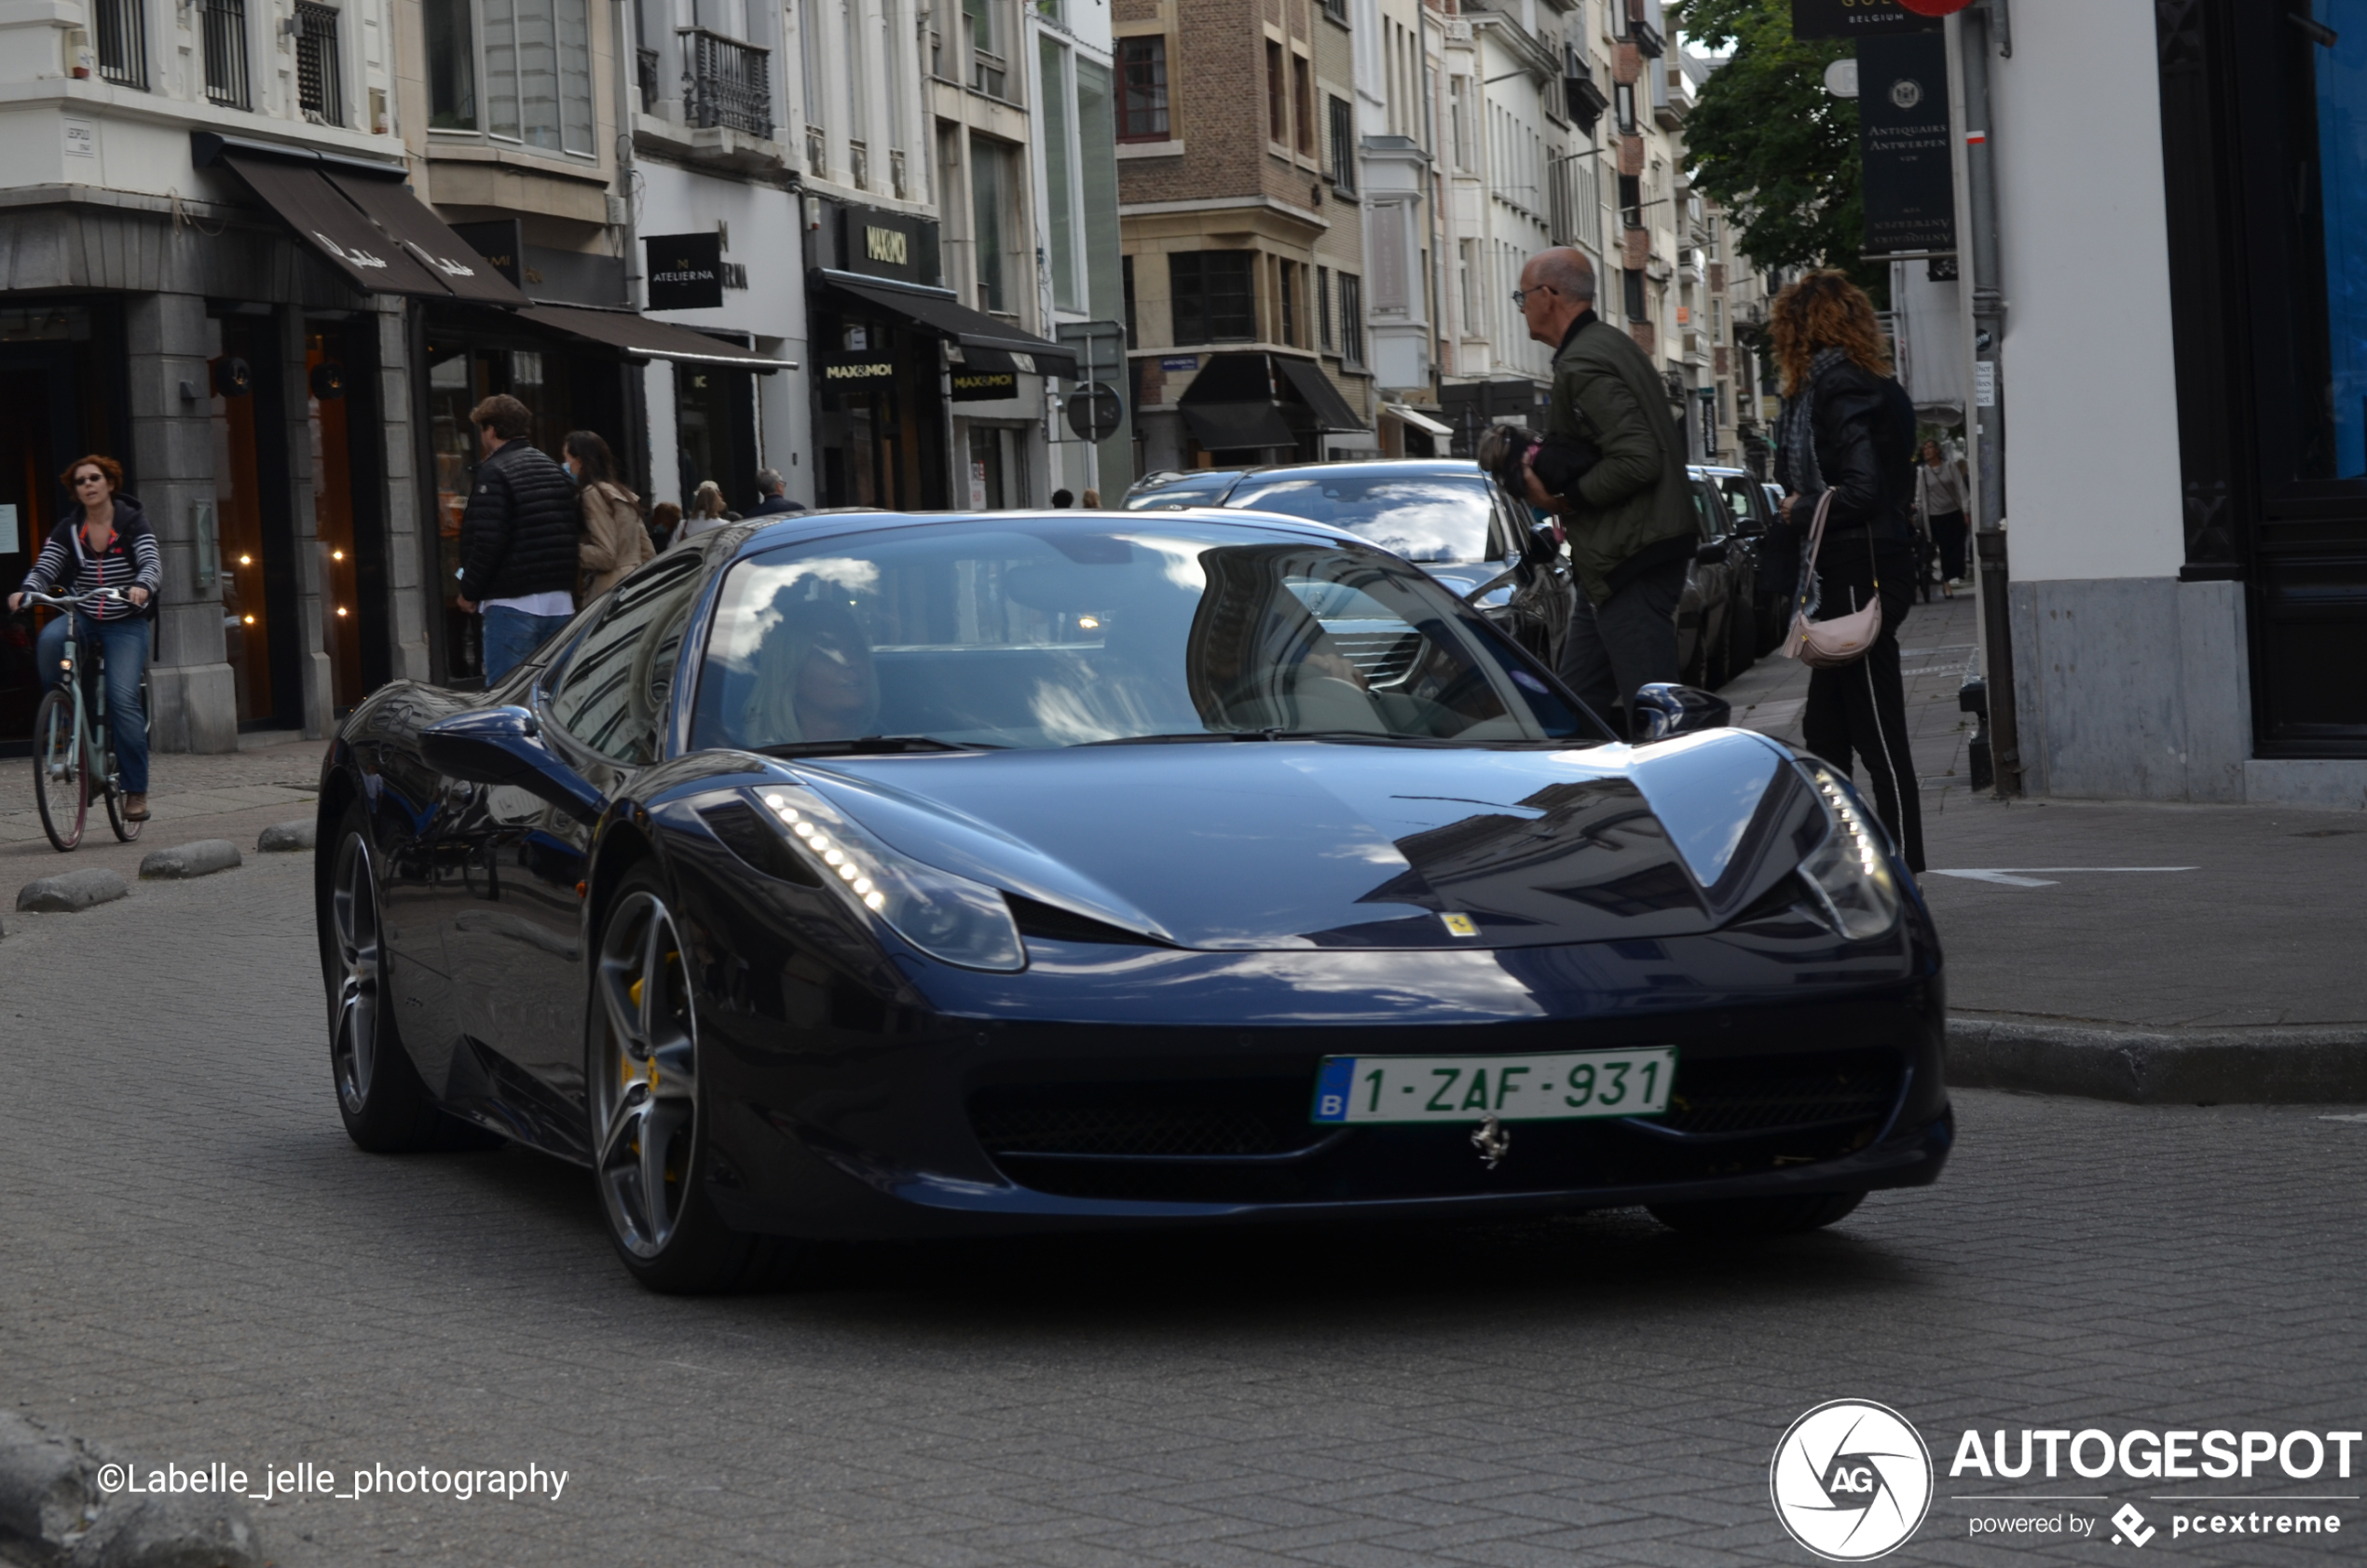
(873, 745)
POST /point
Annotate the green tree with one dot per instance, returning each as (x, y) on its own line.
(1777, 151)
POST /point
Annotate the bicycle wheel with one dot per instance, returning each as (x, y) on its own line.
(61, 780)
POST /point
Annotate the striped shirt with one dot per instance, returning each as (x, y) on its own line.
(130, 561)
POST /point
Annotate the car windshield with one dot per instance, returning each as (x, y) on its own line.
(1059, 632)
(1188, 489)
(1422, 517)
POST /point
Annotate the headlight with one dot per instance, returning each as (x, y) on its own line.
(947, 916)
(1849, 872)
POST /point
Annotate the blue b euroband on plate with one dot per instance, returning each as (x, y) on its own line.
(1563, 1086)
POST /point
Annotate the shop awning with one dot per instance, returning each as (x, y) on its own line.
(1315, 389)
(1227, 427)
(360, 218)
(641, 338)
(936, 310)
(1418, 419)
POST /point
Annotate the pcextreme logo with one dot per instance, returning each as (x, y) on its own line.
(1851, 1480)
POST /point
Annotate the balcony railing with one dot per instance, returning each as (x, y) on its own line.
(858, 165)
(122, 33)
(320, 79)
(725, 82)
(817, 152)
(224, 26)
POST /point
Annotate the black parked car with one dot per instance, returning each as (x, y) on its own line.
(1443, 514)
(860, 875)
(1716, 630)
(1748, 502)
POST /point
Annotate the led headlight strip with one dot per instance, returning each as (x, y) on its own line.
(1849, 872)
(948, 917)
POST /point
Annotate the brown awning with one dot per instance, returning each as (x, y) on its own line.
(426, 237)
(342, 233)
(641, 338)
(939, 311)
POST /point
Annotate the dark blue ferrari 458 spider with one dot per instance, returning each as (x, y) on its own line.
(861, 875)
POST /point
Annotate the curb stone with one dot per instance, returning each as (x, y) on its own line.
(54, 1515)
(283, 836)
(2297, 1065)
(70, 891)
(201, 859)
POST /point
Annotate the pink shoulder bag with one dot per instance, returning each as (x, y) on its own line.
(1826, 645)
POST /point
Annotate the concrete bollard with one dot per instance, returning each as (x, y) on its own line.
(201, 859)
(65, 1501)
(284, 836)
(70, 891)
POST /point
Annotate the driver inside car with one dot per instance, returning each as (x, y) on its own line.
(816, 681)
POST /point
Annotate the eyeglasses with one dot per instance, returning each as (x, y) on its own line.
(91, 479)
(1520, 296)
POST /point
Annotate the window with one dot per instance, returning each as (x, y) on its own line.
(1059, 108)
(1632, 281)
(1323, 307)
(1289, 303)
(1337, 10)
(613, 692)
(982, 22)
(859, 93)
(535, 65)
(990, 187)
(1213, 297)
(809, 54)
(1630, 201)
(1143, 110)
(1459, 117)
(1303, 101)
(1278, 113)
(1126, 279)
(1343, 145)
(225, 53)
(1624, 98)
(1467, 283)
(320, 86)
(120, 28)
(1351, 320)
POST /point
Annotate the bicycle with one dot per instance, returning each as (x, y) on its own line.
(73, 744)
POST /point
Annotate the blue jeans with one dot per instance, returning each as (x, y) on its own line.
(127, 649)
(511, 634)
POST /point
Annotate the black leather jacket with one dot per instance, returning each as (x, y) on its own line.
(1865, 434)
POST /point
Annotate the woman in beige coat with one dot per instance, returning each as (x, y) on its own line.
(614, 542)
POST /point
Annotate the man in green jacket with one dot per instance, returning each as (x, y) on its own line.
(1630, 518)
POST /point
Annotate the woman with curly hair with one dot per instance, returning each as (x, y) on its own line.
(1849, 428)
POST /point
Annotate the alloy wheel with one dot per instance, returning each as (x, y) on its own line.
(353, 916)
(645, 1094)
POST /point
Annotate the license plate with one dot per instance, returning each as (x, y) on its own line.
(1566, 1087)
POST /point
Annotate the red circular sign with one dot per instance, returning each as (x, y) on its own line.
(1935, 8)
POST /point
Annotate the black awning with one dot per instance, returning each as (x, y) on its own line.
(1229, 427)
(641, 338)
(1315, 389)
(341, 232)
(939, 311)
(430, 240)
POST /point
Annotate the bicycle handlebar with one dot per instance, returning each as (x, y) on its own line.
(74, 601)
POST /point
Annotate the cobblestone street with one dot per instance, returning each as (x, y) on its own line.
(201, 1267)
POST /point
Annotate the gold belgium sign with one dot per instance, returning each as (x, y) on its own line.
(889, 245)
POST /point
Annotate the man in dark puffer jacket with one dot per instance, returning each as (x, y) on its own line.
(518, 538)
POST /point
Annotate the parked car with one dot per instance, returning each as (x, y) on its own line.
(1752, 507)
(1716, 630)
(1168, 489)
(1443, 514)
(858, 875)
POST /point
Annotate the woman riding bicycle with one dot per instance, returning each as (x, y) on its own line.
(107, 545)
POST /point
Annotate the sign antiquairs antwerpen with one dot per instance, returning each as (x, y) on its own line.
(1902, 137)
(686, 271)
(1856, 19)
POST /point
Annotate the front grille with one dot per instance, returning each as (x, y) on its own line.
(1760, 1094)
(1235, 1118)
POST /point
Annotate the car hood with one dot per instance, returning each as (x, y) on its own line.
(1281, 844)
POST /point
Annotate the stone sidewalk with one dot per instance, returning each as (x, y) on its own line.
(2134, 946)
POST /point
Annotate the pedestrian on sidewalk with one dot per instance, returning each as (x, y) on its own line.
(772, 495)
(519, 538)
(1630, 515)
(708, 510)
(106, 544)
(665, 519)
(614, 541)
(1940, 483)
(1848, 426)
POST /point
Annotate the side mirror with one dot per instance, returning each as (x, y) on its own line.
(1710, 552)
(1664, 710)
(504, 746)
(1544, 544)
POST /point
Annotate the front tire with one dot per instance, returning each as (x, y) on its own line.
(386, 1107)
(1757, 1217)
(60, 772)
(647, 1106)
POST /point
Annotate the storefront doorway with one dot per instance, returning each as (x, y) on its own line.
(353, 599)
(715, 424)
